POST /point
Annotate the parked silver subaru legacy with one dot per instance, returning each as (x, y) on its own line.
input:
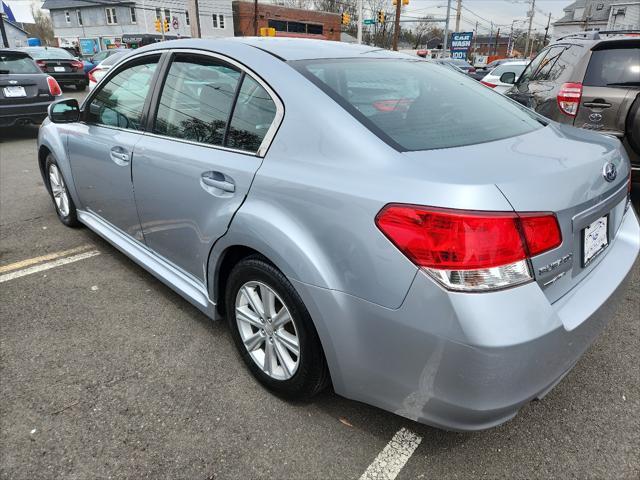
(361, 218)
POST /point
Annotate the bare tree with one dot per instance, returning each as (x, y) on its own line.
(42, 27)
(426, 31)
(303, 4)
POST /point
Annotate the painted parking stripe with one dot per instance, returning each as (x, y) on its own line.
(50, 256)
(47, 265)
(393, 456)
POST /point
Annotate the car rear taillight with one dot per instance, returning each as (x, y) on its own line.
(77, 65)
(54, 88)
(400, 104)
(488, 84)
(42, 64)
(470, 250)
(569, 98)
(91, 75)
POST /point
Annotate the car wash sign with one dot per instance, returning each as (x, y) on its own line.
(460, 44)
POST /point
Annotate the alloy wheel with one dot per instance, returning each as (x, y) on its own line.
(267, 330)
(59, 190)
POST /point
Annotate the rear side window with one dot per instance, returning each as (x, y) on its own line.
(196, 99)
(16, 64)
(252, 116)
(416, 105)
(120, 102)
(613, 67)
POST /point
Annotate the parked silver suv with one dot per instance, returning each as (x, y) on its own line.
(590, 80)
(360, 217)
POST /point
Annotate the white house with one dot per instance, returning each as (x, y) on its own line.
(582, 15)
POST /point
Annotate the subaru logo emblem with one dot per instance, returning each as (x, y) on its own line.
(609, 172)
(595, 117)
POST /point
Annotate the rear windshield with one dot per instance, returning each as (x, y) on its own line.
(418, 105)
(507, 67)
(614, 67)
(44, 53)
(15, 63)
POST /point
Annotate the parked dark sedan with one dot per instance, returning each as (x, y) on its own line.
(60, 64)
(25, 91)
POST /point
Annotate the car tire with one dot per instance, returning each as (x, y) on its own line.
(62, 201)
(252, 277)
(632, 125)
(81, 87)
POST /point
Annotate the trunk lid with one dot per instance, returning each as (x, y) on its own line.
(34, 85)
(555, 169)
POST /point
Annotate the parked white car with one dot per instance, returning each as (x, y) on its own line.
(504, 76)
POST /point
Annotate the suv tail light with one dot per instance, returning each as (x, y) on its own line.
(77, 65)
(569, 98)
(54, 88)
(470, 250)
(488, 84)
(42, 64)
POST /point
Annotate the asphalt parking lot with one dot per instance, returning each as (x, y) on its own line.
(106, 373)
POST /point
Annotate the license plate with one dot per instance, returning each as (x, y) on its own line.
(58, 69)
(595, 238)
(11, 92)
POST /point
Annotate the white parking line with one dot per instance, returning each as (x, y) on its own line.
(46, 266)
(48, 256)
(393, 456)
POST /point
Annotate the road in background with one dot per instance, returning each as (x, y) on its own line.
(105, 372)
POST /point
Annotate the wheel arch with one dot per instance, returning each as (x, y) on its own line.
(52, 141)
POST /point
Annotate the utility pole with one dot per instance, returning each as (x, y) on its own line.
(5, 42)
(446, 28)
(531, 13)
(475, 40)
(490, 41)
(255, 17)
(396, 27)
(458, 14)
(510, 39)
(546, 30)
(360, 21)
(194, 11)
(495, 49)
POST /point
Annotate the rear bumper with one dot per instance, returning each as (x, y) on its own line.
(466, 361)
(70, 78)
(28, 113)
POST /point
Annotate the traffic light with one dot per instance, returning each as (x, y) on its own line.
(380, 16)
(267, 32)
(158, 25)
(166, 25)
(404, 2)
(346, 18)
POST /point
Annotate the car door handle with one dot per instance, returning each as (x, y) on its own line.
(218, 180)
(120, 156)
(596, 104)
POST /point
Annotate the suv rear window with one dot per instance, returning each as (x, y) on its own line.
(16, 63)
(613, 67)
(418, 105)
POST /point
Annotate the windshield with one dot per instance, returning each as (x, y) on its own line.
(17, 63)
(506, 67)
(44, 53)
(416, 105)
(611, 67)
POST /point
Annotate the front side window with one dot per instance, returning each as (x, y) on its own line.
(532, 68)
(196, 99)
(111, 16)
(547, 69)
(252, 116)
(614, 67)
(416, 105)
(120, 102)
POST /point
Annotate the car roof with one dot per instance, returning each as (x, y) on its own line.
(289, 49)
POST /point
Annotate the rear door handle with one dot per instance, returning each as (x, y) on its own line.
(218, 180)
(120, 156)
(596, 105)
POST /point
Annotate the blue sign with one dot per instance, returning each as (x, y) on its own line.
(460, 44)
(89, 46)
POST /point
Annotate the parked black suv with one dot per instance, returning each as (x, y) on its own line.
(590, 80)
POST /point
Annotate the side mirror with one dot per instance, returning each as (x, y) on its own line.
(64, 111)
(508, 77)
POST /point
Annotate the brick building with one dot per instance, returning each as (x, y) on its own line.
(288, 22)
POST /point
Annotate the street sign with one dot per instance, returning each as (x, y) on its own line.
(460, 44)
(369, 21)
(175, 23)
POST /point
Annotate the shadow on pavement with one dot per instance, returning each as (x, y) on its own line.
(24, 132)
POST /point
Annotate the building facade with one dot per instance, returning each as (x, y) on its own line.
(583, 15)
(94, 26)
(16, 36)
(287, 22)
